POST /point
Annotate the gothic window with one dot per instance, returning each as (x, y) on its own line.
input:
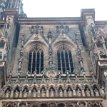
(36, 62)
(64, 58)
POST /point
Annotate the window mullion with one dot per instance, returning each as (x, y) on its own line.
(61, 62)
(58, 60)
(64, 60)
(31, 63)
(39, 62)
(69, 60)
(36, 62)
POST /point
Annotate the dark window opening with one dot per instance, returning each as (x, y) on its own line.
(65, 63)
(2, 43)
(36, 62)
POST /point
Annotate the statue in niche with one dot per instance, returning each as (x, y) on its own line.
(21, 53)
(22, 43)
(57, 29)
(41, 30)
(96, 92)
(52, 92)
(34, 92)
(19, 65)
(25, 92)
(88, 93)
(69, 92)
(7, 94)
(17, 93)
(60, 93)
(66, 29)
(43, 92)
(79, 93)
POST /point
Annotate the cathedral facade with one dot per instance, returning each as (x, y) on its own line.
(52, 62)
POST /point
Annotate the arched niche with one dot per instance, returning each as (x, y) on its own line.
(60, 92)
(52, 92)
(8, 92)
(61, 105)
(16, 92)
(87, 91)
(25, 91)
(78, 91)
(43, 92)
(95, 90)
(44, 105)
(34, 92)
(69, 91)
(34, 105)
(52, 105)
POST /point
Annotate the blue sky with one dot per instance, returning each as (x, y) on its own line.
(64, 8)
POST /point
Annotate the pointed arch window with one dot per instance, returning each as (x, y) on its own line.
(36, 62)
(64, 58)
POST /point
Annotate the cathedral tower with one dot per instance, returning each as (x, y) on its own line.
(52, 62)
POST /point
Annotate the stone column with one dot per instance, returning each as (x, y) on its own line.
(74, 92)
(38, 92)
(47, 92)
(92, 94)
(86, 105)
(56, 92)
(1, 104)
(12, 94)
(83, 94)
(65, 93)
(29, 94)
(20, 95)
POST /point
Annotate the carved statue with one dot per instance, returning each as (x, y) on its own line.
(17, 93)
(34, 92)
(7, 94)
(52, 93)
(96, 93)
(60, 93)
(70, 92)
(79, 93)
(43, 93)
(25, 93)
(88, 93)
